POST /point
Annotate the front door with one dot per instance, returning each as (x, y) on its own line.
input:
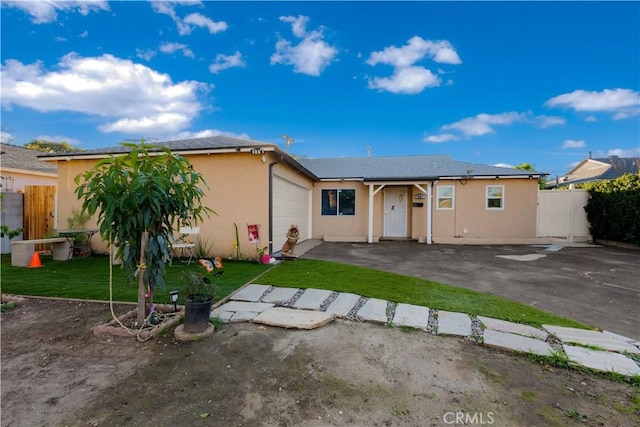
(395, 212)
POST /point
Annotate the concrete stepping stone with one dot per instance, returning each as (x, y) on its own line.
(514, 328)
(280, 295)
(291, 318)
(620, 337)
(414, 316)
(237, 311)
(452, 323)
(374, 310)
(601, 360)
(593, 338)
(312, 299)
(252, 293)
(515, 342)
(342, 305)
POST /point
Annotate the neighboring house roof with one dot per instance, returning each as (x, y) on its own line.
(24, 160)
(406, 168)
(365, 168)
(600, 169)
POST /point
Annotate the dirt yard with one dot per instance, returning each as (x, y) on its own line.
(56, 373)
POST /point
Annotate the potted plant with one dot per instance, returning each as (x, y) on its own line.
(199, 296)
(263, 255)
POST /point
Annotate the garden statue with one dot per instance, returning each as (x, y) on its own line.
(292, 238)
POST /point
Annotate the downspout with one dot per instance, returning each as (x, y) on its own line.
(271, 165)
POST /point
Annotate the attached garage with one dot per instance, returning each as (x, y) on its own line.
(291, 205)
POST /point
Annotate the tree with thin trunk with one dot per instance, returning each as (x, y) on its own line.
(141, 197)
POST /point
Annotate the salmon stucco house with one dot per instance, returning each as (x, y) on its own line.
(427, 198)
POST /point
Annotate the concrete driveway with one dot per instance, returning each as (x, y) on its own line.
(599, 286)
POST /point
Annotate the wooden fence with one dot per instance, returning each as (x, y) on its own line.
(39, 212)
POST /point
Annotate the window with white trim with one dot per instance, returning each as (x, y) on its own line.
(339, 202)
(446, 195)
(495, 197)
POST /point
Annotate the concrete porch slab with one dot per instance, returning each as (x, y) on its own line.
(292, 318)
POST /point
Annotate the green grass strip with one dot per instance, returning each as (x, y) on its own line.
(88, 278)
(373, 283)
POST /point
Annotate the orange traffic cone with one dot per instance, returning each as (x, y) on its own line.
(35, 261)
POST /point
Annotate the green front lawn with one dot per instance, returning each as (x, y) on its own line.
(88, 278)
(404, 289)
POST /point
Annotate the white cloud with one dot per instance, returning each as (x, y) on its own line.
(187, 24)
(5, 137)
(624, 152)
(84, 34)
(58, 138)
(408, 78)
(623, 103)
(206, 133)
(170, 48)
(415, 50)
(590, 119)
(44, 11)
(546, 121)
(131, 98)
(198, 20)
(146, 54)
(482, 124)
(222, 62)
(443, 137)
(504, 165)
(570, 143)
(311, 56)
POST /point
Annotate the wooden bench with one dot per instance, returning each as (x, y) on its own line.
(22, 250)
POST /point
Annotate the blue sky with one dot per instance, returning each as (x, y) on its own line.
(494, 83)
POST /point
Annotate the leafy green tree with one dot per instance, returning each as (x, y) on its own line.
(140, 197)
(51, 147)
(542, 182)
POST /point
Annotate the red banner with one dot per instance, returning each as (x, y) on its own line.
(252, 229)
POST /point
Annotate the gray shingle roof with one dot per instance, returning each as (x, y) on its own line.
(211, 142)
(370, 168)
(15, 157)
(404, 168)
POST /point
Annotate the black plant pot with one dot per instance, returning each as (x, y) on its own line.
(197, 315)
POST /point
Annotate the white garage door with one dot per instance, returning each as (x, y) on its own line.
(291, 205)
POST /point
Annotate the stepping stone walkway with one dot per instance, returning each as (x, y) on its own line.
(374, 310)
(592, 338)
(411, 315)
(342, 305)
(514, 342)
(514, 328)
(451, 323)
(312, 309)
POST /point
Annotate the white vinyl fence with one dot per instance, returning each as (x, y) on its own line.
(561, 214)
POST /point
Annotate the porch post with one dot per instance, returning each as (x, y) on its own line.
(429, 202)
(370, 233)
